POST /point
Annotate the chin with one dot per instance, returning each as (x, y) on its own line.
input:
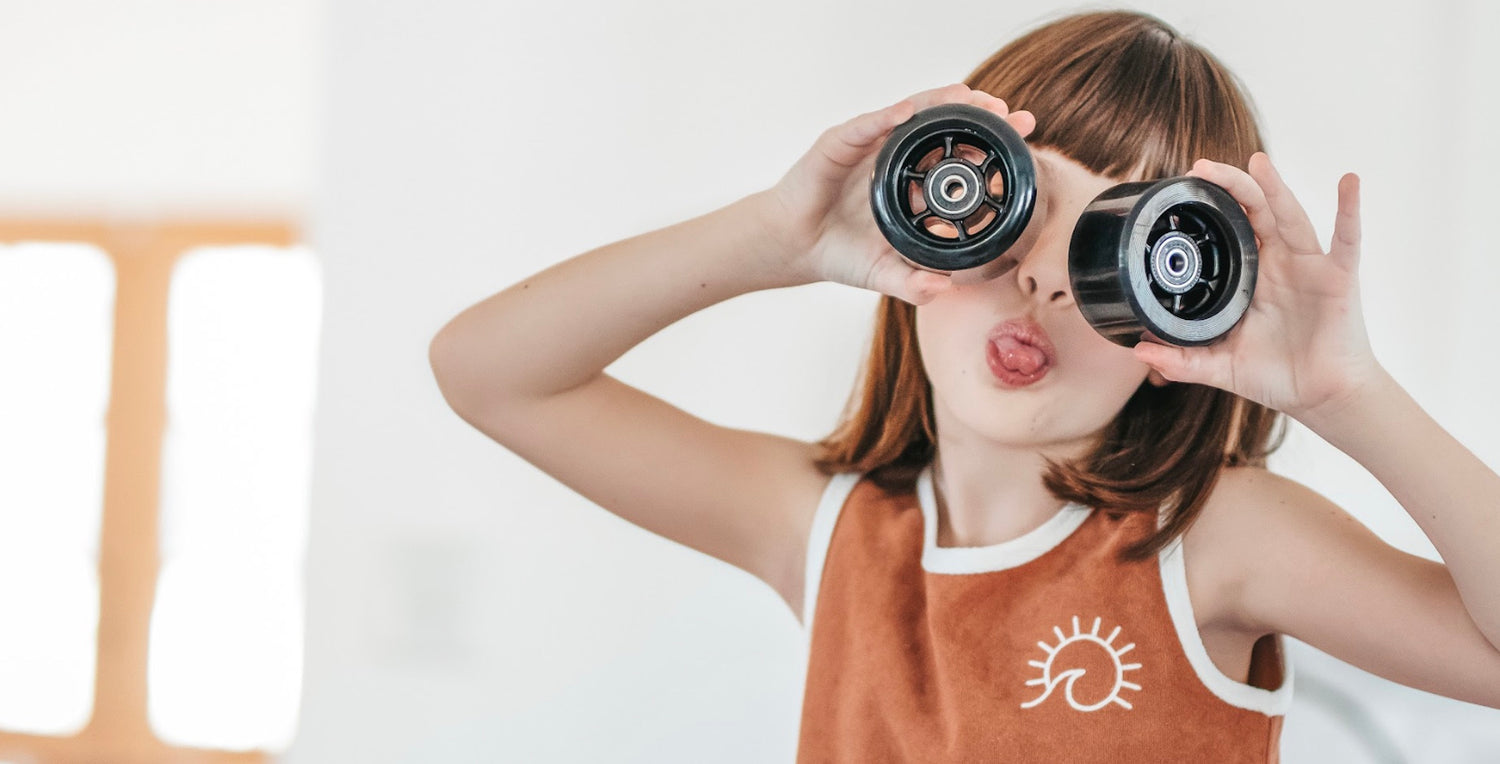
(1017, 419)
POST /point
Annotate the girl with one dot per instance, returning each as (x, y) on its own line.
(1023, 541)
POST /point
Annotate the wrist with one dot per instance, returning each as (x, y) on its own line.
(783, 255)
(1355, 408)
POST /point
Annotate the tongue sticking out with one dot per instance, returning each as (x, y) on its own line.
(1018, 356)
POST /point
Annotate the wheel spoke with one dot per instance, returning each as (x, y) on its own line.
(1192, 223)
(1210, 263)
(1202, 298)
(963, 233)
(910, 174)
(917, 220)
(947, 146)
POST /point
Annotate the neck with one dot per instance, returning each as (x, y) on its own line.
(987, 491)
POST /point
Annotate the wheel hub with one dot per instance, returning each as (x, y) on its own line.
(954, 189)
(1176, 263)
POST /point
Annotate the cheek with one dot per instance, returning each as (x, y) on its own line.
(1111, 367)
(935, 336)
(950, 335)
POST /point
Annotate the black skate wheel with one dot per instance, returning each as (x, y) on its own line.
(953, 188)
(1172, 260)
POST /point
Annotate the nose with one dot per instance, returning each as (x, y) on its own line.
(1043, 273)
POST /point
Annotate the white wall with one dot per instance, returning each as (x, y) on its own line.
(465, 607)
(158, 106)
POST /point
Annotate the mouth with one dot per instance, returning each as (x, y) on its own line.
(1019, 352)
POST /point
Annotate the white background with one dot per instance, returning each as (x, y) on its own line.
(462, 606)
(465, 606)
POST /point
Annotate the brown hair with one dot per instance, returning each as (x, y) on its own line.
(1123, 94)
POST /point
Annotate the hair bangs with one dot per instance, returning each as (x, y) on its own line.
(1123, 95)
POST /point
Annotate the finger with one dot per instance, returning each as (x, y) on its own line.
(1246, 191)
(957, 92)
(1345, 246)
(988, 101)
(1292, 223)
(1023, 121)
(846, 144)
(1196, 365)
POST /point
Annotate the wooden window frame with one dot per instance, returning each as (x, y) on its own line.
(144, 253)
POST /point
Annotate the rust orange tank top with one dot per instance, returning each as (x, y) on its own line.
(1043, 648)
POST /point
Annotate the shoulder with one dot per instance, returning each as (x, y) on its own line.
(1247, 499)
(1251, 506)
(1301, 565)
(1257, 526)
(1218, 545)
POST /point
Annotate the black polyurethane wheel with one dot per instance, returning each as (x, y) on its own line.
(1172, 260)
(953, 187)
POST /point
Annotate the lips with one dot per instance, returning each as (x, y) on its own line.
(1019, 352)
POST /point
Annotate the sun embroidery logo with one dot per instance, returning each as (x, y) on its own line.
(1071, 660)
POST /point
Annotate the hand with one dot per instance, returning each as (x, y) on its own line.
(821, 208)
(1301, 348)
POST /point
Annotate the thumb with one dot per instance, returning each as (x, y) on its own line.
(1178, 364)
(907, 284)
(925, 286)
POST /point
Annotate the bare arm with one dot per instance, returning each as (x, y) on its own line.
(558, 329)
(525, 366)
(1453, 496)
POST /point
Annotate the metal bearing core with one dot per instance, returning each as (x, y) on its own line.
(954, 189)
(1176, 262)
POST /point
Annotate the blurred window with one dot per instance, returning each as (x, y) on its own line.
(155, 448)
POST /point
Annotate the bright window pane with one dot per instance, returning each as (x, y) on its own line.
(56, 333)
(226, 651)
(225, 660)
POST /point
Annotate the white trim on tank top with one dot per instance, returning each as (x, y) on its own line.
(1230, 690)
(1008, 554)
(819, 537)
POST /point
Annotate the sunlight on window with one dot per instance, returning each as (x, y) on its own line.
(225, 664)
(56, 333)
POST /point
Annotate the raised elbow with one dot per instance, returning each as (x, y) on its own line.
(445, 357)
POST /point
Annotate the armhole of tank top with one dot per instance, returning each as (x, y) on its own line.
(825, 517)
(1231, 691)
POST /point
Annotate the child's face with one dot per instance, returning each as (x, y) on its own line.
(1086, 380)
